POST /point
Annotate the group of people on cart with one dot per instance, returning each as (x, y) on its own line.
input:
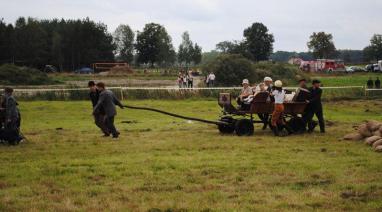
(279, 96)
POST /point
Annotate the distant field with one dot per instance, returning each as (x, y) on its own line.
(170, 164)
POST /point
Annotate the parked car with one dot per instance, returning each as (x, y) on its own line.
(84, 70)
(357, 69)
(369, 68)
(50, 69)
(349, 70)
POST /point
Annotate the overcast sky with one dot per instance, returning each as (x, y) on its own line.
(352, 22)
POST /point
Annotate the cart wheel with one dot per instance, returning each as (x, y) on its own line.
(227, 129)
(244, 127)
(296, 124)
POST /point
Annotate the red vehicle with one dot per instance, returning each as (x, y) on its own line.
(325, 65)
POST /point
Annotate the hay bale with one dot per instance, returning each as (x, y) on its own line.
(378, 149)
(372, 139)
(377, 133)
(353, 137)
(373, 125)
(377, 143)
(364, 131)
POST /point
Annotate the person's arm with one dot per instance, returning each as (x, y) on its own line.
(10, 109)
(99, 103)
(117, 102)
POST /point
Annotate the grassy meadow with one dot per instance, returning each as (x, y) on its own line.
(162, 163)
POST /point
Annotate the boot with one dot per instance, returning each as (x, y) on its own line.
(275, 130)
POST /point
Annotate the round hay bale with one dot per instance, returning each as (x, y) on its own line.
(378, 149)
(372, 139)
(364, 131)
(377, 143)
(377, 133)
(373, 125)
(353, 137)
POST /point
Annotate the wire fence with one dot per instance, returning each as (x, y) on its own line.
(62, 94)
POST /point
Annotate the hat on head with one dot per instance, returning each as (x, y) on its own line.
(302, 80)
(316, 81)
(245, 81)
(268, 79)
(278, 84)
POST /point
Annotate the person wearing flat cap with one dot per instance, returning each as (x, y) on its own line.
(314, 107)
(246, 91)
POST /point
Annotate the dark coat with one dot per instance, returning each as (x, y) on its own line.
(11, 110)
(107, 101)
(315, 99)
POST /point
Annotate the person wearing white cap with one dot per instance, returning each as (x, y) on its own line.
(246, 91)
(277, 120)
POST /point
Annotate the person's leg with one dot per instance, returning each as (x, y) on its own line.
(109, 121)
(99, 120)
(275, 119)
(308, 116)
(321, 121)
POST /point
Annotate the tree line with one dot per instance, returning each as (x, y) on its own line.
(72, 44)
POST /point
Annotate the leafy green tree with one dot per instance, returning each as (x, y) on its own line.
(196, 54)
(322, 45)
(258, 42)
(374, 50)
(154, 46)
(186, 49)
(124, 41)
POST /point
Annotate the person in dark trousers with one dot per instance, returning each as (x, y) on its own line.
(370, 83)
(12, 118)
(314, 107)
(99, 117)
(107, 101)
(377, 83)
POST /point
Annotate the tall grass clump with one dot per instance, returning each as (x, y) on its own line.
(16, 75)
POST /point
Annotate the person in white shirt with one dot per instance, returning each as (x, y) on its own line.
(211, 79)
(277, 120)
(245, 93)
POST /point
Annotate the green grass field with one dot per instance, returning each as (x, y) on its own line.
(175, 165)
(356, 79)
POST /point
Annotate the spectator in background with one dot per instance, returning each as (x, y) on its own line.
(185, 80)
(180, 81)
(190, 81)
(370, 83)
(377, 83)
(211, 79)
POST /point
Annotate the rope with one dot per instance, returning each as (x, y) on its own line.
(175, 115)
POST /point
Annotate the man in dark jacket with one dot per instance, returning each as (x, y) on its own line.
(370, 83)
(12, 118)
(377, 83)
(99, 116)
(107, 101)
(314, 107)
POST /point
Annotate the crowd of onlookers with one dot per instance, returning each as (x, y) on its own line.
(373, 84)
(186, 79)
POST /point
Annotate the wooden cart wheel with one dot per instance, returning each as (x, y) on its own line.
(227, 129)
(244, 127)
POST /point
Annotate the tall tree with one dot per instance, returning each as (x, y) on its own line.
(154, 45)
(322, 45)
(258, 42)
(197, 54)
(124, 41)
(186, 49)
(374, 50)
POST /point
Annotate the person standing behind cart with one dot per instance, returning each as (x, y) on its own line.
(314, 107)
(277, 116)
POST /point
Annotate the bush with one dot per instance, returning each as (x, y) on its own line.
(16, 75)
(230, 70)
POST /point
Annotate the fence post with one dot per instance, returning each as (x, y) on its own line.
(121, 90)
(365, 88)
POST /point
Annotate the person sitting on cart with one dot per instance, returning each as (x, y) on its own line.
(314, 107)
(246, 91)
(277, 116)
(268, 86)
